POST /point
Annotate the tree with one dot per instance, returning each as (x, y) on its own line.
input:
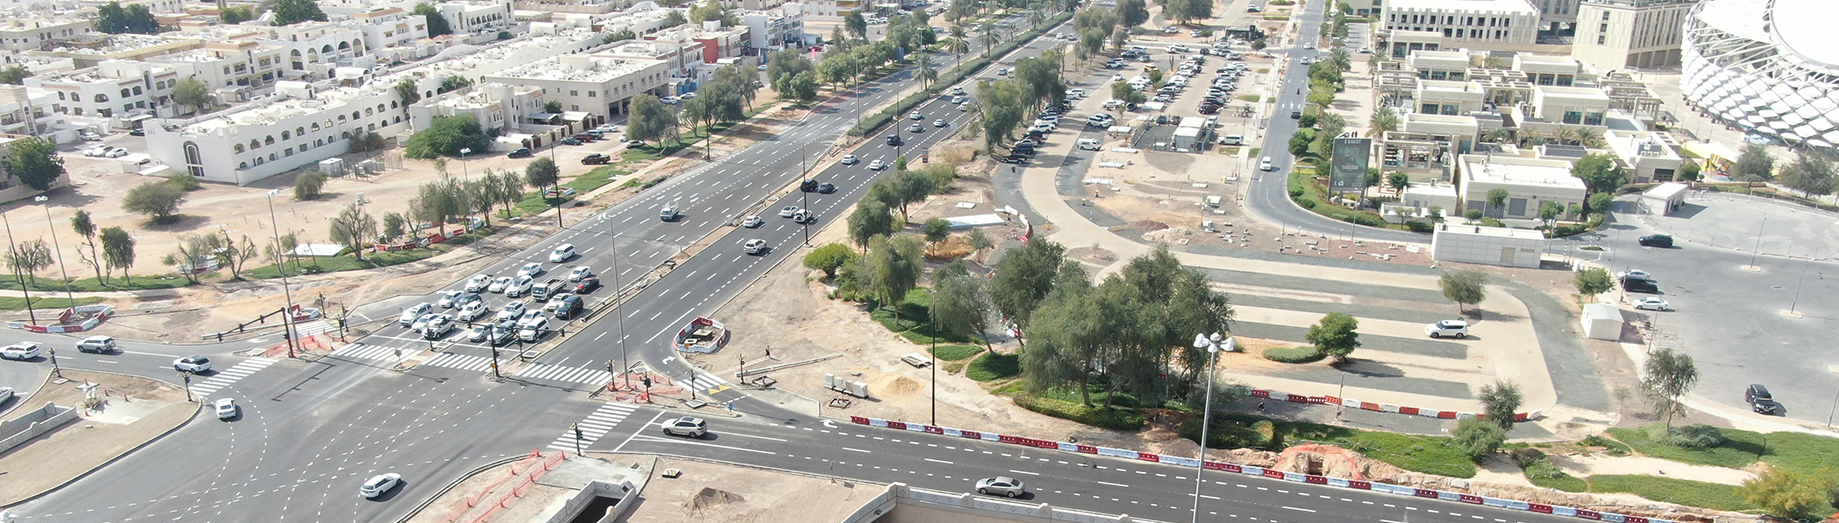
(1132, 13)
(453, 83)
(1599, 203)
(394, 226)
(353, 227)
(118, 251)
(890, 268)
(237, 15)
(674, 18)
(926, 72)
(552, 107)
(1478, 438)
(870, 219)
(29, 258)
(445, 136)
(980, 240)
(855, 24)
(649, 119)
(937, 229)
(87, 229)
(482, 194)
(192, 92)
(308, 185)
(35, 162)
(1024, 277)
(802, 87)
(829, 258)
(113, 19)
(1497, 201)
(282, 251)
(1783, 494)
(510, 190)
(290, 12)
(1500, 401)
(1811, 174)
(230, 253)
(159, 201)
(1384, 119)
(542, 173)
(1071, 336)
(1688, 172)
(1258, 45)
(1592, 282)
(1335, 335)
(1398, 180)
(1549, 211)
(1754, 164)
(15, 75)
(961, 305)
(437, 24)
(1666, 376)
(1599, 172)
(1464, 287)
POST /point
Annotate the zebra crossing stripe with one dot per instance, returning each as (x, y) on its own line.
(232, 375)
(546, 371)
(461, 361)
(371, 352)
(597, 424)
(314, 327)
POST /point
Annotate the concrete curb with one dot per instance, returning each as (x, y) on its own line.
(199, 407)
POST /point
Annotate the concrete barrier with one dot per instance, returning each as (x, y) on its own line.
(19, 430)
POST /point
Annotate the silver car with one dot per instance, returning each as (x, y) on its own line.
(686, 426)
(1001, 485)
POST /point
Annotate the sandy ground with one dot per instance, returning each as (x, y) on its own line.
(138, 410)
(1585, 465)
(714, 493)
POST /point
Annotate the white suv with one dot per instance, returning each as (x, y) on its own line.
(1447, 328)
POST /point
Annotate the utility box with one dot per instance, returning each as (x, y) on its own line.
(858, 389)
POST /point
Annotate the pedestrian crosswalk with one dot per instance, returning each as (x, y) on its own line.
(461, 361)
(365, 351)
(708, 382)
(313, 327)
(546, 371)
(593, 427)
(226, 377)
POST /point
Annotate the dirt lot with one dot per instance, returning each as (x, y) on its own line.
(714, 493)
(137, 410)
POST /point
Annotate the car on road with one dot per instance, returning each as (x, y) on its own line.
(1759, 399)
(1634, 274)
(450, 299)
(1640, 285)
(754, 246)
(192, 364)
(753, 222)
(6, 394)
(916, 116)
(438, 327)
(562, 253)
(670, 213)
(877, 165)
(1296, 114)
(478, 283)
(687, 426)
(422, 322)
(225, 407)
(1651, 303)
(892, 139)
(570, 141)
(22, 351)
(499, 285)
(1264, 164)
(587, 285)
(826, 188)
(511, 311)
(1001, 486)
(1656, 240)
(850, 159)
(916, 128)
(97, 344)
(1447, 329)
(478, 333)
(503, 332)
(579, 272)
(521, 152)
(533, 330)
(413, 313)
(529, 317)
(804, 216)
(472, 311)
(940, 123)
(519, 287)
(378, 484)
(958, 100)
(563, 307)
(530, 269)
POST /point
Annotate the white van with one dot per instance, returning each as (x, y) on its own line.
(1232, 139)
(1113, 103)
(1088, 144)
(1265, 164)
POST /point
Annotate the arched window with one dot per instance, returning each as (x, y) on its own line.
(327, 49)
(100, 98)
(254, 144)
(316, 126)
(286, 135)
(380, 108)
(124, 92)
(269, 140)
(344, 46)
(191, 154)
(299, 131)
(238, 148)
(137, 90)
(258, 160)
(272, 156)
(242, 165)
(341, 118)
(354, 115)
(392, 105)
(369, 112)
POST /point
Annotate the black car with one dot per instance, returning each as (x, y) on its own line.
(570, 141)
(1296, 114)
(826, 188)
(587, 285)
(1760, 401)
(137, 132)
(596, 159)
(1640, 285)
(521, 152)
(1656, 240)
(808, 186)
(893, 139)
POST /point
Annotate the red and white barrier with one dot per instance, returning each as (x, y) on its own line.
(1248, 470)
(1378, 407)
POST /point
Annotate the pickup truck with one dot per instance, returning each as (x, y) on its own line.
(549, 288)
(596, 159)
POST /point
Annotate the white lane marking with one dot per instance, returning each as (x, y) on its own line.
(854, 450)
(940, 461)
(1287, 507)
(1120, 485)
(1025, 472)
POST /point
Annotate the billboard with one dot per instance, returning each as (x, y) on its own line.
(1347, 165)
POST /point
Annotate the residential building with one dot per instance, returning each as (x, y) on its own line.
(313, 49)
(1447, 97)
(478, 16)
(570, 6)
(1541, 69)
(32, 34)
(829, 10)
(25, 111)
(1529, 182)
(1644, 156)
(112, 89)
(1404, 41)
(1450, 64)
(89, 50)
(598, 85)
(683, 59)
(776, 28)
(496, 106)
(717, 42)
(1620, 34)
(229, 64)
(1466, 21)
(1566, 105)
(299, 125)
(1554, 13)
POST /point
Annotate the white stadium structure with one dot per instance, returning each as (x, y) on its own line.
(1767, 66)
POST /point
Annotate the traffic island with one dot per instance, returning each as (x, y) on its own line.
(126, 413)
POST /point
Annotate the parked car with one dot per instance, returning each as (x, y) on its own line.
(521, 152)
(1656, 240)
(1001, 486)
(225, 407)
(192, 364)
(689, 427)
(1652, 304)
(21, 351)
(1634, 274)
(559, 192)
(1447, 329)
(570, 141)
(97, 344)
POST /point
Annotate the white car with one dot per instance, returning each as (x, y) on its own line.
(478, 283)
(1447, 328)
(1001, 485)
(958, 100)
(438, 327)
(916, 116)
(562, 253)
(192, 364)
(413, 313)
(850, 159)
(530, 269)
(533, 330)
(753, 222)
(378, 484)
(788, 211)
(1652, 304)
(511, 311)
(940, 123)
(877, 165)
(686, 426)
(579, 272)
(530, 317)
(422, 324)
(226, 408)
(1635, 274)
(472, 311)
(499, 284)
(22, 351)
(755, 246)
(450, 299)
(478, 333)
(520, 287)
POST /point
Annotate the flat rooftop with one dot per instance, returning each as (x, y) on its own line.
(578, 68)
(1519, 171)
(1497, 6)
(1499, 232)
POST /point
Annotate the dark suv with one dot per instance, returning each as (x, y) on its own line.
(1657, 240)
(1760, 401)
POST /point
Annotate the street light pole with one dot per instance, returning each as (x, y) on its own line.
(60, 249)
(287, 315)
(1213, 344)
(12, 251)
(619, 316)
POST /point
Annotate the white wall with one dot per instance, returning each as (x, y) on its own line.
(1489, 246)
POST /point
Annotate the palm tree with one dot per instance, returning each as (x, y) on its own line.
(1035, 18)
(1384, 119)
(1340, 58)
(1566, 135)
(1590, 137)
(927, 73)
(991, 35)
(1499, 135)
(1531, 137)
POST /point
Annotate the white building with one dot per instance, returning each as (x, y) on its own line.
(478, 16)
(26, 111)
(230, 64)
(597, 84)
(1555, 12)
(683, 58)
(1466, 21)
(299, 125)
(1529, 182)
(30, 33)
(1645, 157)
(1621, 34)
(112, 89)
(776, 28)
(496, 106)
(1487, 245)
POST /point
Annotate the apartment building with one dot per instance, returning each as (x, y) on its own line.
(1529, 182)
(1466, 21)
(26, 112)
(496, 106)
(31, 34)
(478, 16)
(112, 89)
(299, 125)
(599, 85)
(776, 28)
(1621, 34)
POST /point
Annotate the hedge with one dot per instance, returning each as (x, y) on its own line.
(1304, 354)
(1116, 418)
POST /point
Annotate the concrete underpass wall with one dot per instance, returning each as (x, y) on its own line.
(22, 429)
(903, 504)
(624, 491)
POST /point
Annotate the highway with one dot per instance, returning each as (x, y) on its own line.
(1268, 198)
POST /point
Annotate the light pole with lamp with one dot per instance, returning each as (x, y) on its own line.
(1213, 344)
(287, 315)
(804, 198)
(59, 246)
(12, 250)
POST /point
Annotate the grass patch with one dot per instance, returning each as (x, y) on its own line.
(1250, 97)
(92, 284)
(1715, 496)
(324, 264)
(1263, 70)
(1426, 454)
(13, 303)
(956, 352)
(952, 367)
(1309, 193)
(1793, 452)
(1255, 151)
(1303, 354)
(1098, 415)
(1550, 476)
(992, 367)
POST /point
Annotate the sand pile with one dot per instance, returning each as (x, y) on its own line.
(891, 386)
(1169, 234)
(711, 498)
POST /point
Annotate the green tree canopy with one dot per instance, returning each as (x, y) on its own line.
(1024, 276)
(158, 201)
(1477, 438)
(870, 219)
(650, 119)
(1500, 401)
(1599, 172)
(290, 12)
(437, 24)
(1466, 287)
(1666, 377)
(114, 19)
(192, 92)
(445, 136)
(1594, 281)
(542, 173)
(1754, 164)
(35, 162)
(236, 15)
(829, 258)
(1335, 335)
(14, 75)
(1811, 174)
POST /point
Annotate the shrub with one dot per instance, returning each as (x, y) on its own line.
(1115, 418)
(1695, 436)
(1230, 432)
(1304, 354)
(1307, 204)
(956, 352)
(1419, 226)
